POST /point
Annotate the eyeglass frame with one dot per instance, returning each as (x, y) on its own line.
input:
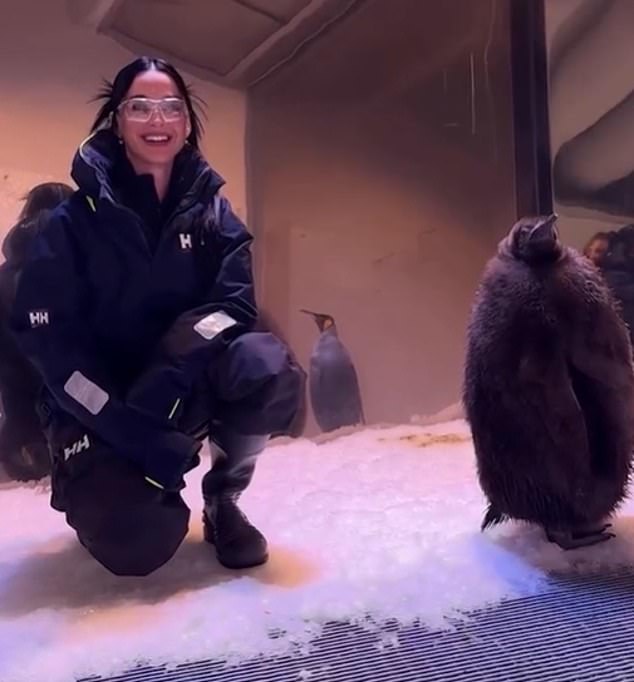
(155, 103)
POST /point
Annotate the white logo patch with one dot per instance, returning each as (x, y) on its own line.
(76, 448)
(213, 324)
(186, 241)
(38, 318)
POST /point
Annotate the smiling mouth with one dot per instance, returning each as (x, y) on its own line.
(157, 139)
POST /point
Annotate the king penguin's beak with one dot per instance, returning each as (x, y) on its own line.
(545, 232)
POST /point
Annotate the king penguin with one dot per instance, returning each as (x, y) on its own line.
(333, 382)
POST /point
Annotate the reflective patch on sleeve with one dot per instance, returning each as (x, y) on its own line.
(174, 408)
(213, 324)
(86, 393)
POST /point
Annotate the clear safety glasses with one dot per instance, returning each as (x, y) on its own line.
(141, 109)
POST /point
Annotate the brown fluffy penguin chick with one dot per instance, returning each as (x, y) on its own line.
(549, 388)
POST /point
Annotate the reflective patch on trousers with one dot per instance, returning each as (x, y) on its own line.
(86, 393)
(213, 324)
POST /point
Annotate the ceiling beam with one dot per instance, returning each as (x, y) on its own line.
(249, 4)
(315, 12)
(277, 49)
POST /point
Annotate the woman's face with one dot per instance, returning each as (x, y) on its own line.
(597, 250)
(152, 120)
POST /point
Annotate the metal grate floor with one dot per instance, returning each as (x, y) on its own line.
(582, 630)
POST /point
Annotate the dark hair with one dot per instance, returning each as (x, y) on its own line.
(39, 202)
(44, 197)
(599, 236)
(621, 248)
(114, 92)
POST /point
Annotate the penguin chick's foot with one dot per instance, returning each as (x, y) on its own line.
(590, 528)
(576, 538)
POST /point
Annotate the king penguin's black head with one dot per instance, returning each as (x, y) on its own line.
(535, 239)
(322, 320)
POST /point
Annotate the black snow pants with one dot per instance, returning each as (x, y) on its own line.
(133, 527)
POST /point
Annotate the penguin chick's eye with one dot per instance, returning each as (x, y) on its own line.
(521, 237)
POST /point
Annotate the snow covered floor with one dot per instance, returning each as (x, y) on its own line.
(374, 525)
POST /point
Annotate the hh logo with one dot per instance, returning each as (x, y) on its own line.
(186, 241)
(76, 448)
(38, 318)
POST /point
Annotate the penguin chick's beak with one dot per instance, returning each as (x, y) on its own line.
(545, 232)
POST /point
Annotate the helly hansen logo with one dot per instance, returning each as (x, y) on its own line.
(38, 318)
(186, 241)
(76, 448)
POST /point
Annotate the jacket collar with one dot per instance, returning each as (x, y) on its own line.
(93, 170)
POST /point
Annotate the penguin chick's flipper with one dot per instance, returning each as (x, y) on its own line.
(550, 398)
(601, 351)
(571, 540)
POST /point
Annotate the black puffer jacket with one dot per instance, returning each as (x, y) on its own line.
(120, 317)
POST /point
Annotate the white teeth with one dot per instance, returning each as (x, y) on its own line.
(156, 138)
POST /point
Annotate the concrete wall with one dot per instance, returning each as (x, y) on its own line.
(380, 180)
(49, 70)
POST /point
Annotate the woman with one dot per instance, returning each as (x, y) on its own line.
(617, 267)
(23, 448)
(137, 307)
(596, 248)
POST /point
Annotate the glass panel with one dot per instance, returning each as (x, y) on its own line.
(381, 177)
(591, 82)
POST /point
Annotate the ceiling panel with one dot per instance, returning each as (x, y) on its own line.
(210, 35)
(284, 10)
(234, 42)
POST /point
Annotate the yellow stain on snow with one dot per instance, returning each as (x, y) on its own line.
(424, 440)
(286, 568)
(105, 620)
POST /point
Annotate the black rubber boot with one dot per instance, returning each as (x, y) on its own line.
(238, 543)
